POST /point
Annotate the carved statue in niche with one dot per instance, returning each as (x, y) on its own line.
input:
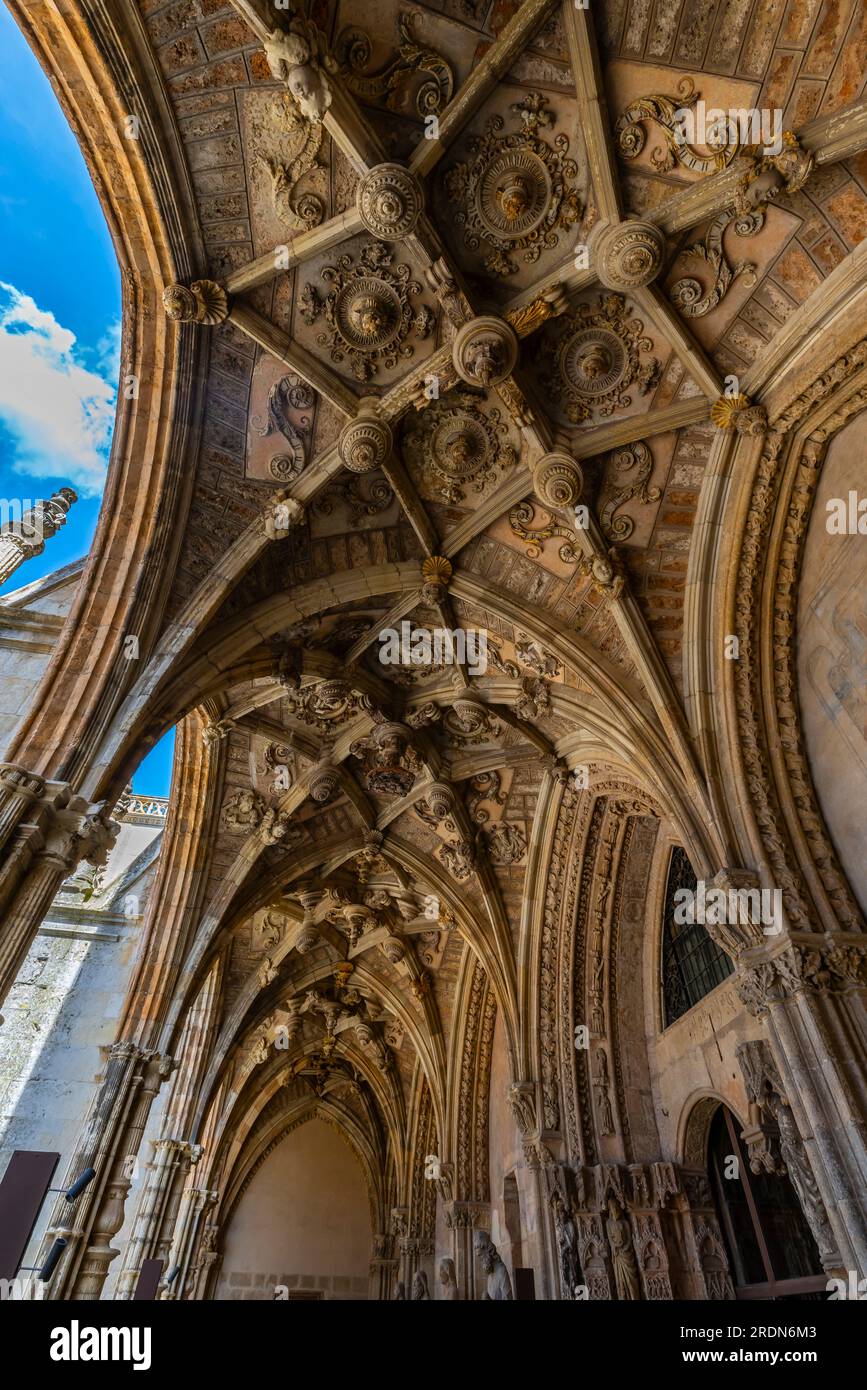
(602, 1084)
(499, 1285)
(420, 1292)
(567, 1244)
(448, 1281)
(400, 1291)
(623, 1262)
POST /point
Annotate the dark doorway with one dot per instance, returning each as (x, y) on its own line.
(771, 1249)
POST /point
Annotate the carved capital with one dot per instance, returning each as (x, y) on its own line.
(739, 414)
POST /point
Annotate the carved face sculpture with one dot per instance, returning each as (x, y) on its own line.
(310, 92)
(515, 198)
(369, 315)
(285, 52)
(179, 303)
(595, 363)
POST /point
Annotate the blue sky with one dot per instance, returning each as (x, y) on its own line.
(60, 314)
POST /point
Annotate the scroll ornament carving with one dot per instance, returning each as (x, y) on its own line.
(391, 85)
(515, 193)
(687, 293)
(287, 398)
(596, 359)
(630, 470)
(521, 524)
(300, 146)
(631, 137)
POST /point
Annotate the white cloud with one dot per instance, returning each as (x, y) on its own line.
(58, 413)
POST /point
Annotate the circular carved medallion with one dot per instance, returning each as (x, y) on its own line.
(368, 313)
(594, 361)
(627, 255)
(460, 446)
(512, 194)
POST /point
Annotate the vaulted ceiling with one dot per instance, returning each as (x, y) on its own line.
(468, 283)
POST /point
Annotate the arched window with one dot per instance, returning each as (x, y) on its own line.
(772, 1253)
(692, 963)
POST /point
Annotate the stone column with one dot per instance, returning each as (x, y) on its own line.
(171, 1158)
(539, 1176)
(19, 540)
(383, 1269)
(71, 834)
(19, 789)
(110, 1140)
(809, 990)
(463, 1219)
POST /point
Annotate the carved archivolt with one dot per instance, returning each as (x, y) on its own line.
(777, 470)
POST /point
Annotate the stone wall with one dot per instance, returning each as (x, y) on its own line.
(303, 1222)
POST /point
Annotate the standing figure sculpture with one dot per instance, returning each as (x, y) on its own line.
(448, 1281)
(420, 1291)
(619, 1234)
(567, 1242)
(499, 1287)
